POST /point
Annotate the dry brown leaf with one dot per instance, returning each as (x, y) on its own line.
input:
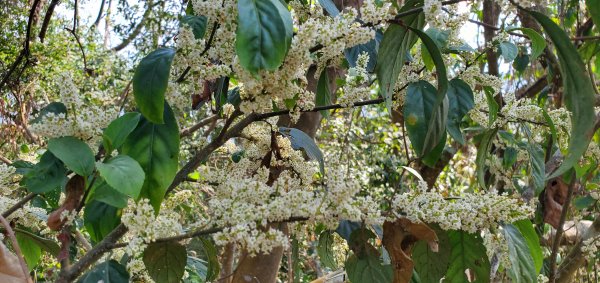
(555, 195)
(10, 268)
(74, 191)
(399, 238)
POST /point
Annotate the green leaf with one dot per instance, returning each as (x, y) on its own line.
(165, 261)
(483, 151)
(578, 93)
(509, 157)
(533, 242)
(196, 23)
(330, 7)
(467, 253)
(117, 131)
(437, 122)
(211, 253)
(537, 167)
(431, 266)
(47, 245)
(421, 98)
(325, 250)
(538, 43)
(103, 192)
(582, 203)
(460, 102)
(522, 267)
(156, 148)
(123, 174)
(263, 35)
(395, 45)
(521, 62)
(508, 50)
(47, 175)
(301, 140)
(323, 96)
(593, 6)
(100, 219)
(368, 269)
(492, 105)
(31, 251)
(432, 157)
(74, 153)
(108, 272)
(53, 107)
(150, 83)
(197, 270)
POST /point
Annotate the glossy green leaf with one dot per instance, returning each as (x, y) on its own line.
(150, 82)
(196, 269)
(432, 157)
(45, 244)
(493, 106)
(533, 242)
(509, 157)
(460, 102)
(325, 250)
(156, 148)
(211, 253)
(395, 45)
(440, 38)
(100, 219)
(508, 50)
(54, 108)
(432, 266)
(483, 152)
(323, 96)
(301, 140)
(103, 192)
(368, 269)
(117, 131)
(330, 7)
(436, 127)
(123, 174)
(30, 250)
(108, 272)
(578, 93)
(538, 43)
(165, 261)
(467, 253)
(47, 175)
(196, 23)
(593, 7)
(74, 153)
(537, 167)
(421, 98)
(263, 35)
(522, 267)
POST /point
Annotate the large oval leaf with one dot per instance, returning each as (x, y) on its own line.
(103, 192)
(460, 101)
(165, 262)
(156, 148)
(522, 267)
(431, 266)
(100, 219)
(150, 83)
(263, 35)
(123, 174)
(117, 131)
(76, 154)
(108, 271)
(325, 250)
(394, 50)
(467, 254)
(47, 175)
(368, 269)
(419, 117)
(578, 92)
(533, 242)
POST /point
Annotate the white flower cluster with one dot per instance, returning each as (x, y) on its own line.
(269, 185)
(590, 247)
(470, 212)
(145, 227)
(7, 184)
(357, 79)
(83, 120)
(28, 216)
(370, 12)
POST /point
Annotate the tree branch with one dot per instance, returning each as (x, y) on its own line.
(560, 229)
(136, 31)
(11, 234)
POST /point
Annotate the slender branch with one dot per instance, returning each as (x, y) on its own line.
(16, 248)
(18, 205)
(99, 17)
(188, 131)
(560, 229)
(206, 48)
(136, 31)
(576, 258)
(74, 33)
(5, 160)
(47, 18)
(319, 108)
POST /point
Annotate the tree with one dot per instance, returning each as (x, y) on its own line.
(264, 140)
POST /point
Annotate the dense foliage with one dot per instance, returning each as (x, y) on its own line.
(300, 141)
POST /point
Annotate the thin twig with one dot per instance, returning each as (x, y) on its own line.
(11, 234)
(188, 131)
(18, 205)
(560, 229)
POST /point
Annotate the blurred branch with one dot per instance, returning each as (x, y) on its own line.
(47, 18)
(136, 31)
(15, 245)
